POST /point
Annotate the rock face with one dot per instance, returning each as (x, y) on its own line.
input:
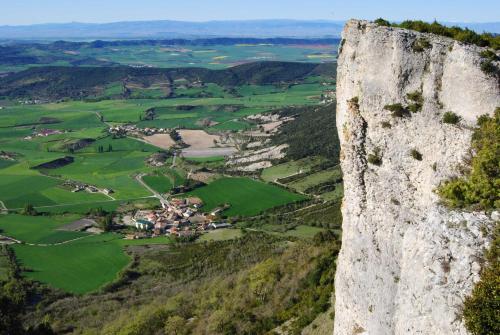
(406, 262)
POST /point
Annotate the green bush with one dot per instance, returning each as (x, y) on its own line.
(375, 157)
(488, 67)
(397, 110)
(417, 101)
(385, 124)
(480, 187)
(451, 118)
(481, 309)
(488, 54)
(420, 45)
(416, 154)
(381, 22)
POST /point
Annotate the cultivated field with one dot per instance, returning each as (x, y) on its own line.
(163, 141)
(245, 196)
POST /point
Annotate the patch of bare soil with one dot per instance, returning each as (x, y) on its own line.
(163, 141)
(198, 139)
(271, 126)
(78, 225)
(202, 176)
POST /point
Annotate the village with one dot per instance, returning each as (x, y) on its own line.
(133, 130)
(180, 217)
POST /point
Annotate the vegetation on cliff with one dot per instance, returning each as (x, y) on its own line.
(460, 34)
(481, 314)
(480, 189)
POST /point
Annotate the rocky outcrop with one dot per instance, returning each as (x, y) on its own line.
(406, 262)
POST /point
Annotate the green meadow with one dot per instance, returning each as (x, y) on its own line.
(78, 267)
(245, 196)
(38, 229)
(159, 183)
(83, 263)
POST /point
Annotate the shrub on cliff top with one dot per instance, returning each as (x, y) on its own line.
(460, 34)
(481, 187)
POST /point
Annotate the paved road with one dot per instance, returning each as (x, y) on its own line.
(156, 194)
(173, 160)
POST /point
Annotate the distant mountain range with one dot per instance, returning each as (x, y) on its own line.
(180, 29)
(173, 29)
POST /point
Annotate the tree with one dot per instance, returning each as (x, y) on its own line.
(107, 222)
(175, 325)
(29, 210)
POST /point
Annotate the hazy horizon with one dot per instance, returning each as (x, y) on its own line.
(29, 12)
(234, 20)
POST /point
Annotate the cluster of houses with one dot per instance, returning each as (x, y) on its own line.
(131, 129)
(7, 155)
(178, 217)
(33, 102)
(328, 96)
(80, 187)
(44, 133)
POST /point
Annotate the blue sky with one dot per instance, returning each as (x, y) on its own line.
(16, 12)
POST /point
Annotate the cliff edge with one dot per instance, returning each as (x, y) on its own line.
(406, 262)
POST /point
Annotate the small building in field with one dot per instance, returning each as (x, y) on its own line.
(219, 225)
(108, 191)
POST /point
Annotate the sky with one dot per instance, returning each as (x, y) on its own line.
(23, 12)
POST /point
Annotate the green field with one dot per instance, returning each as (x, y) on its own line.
(221, 235)
(315, 179)
(289, 168)
(38, 229)
(108, 205)
(78, 267)
(159, 183)
(246, 196)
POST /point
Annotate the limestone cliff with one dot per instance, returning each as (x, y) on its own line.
(406, 262)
